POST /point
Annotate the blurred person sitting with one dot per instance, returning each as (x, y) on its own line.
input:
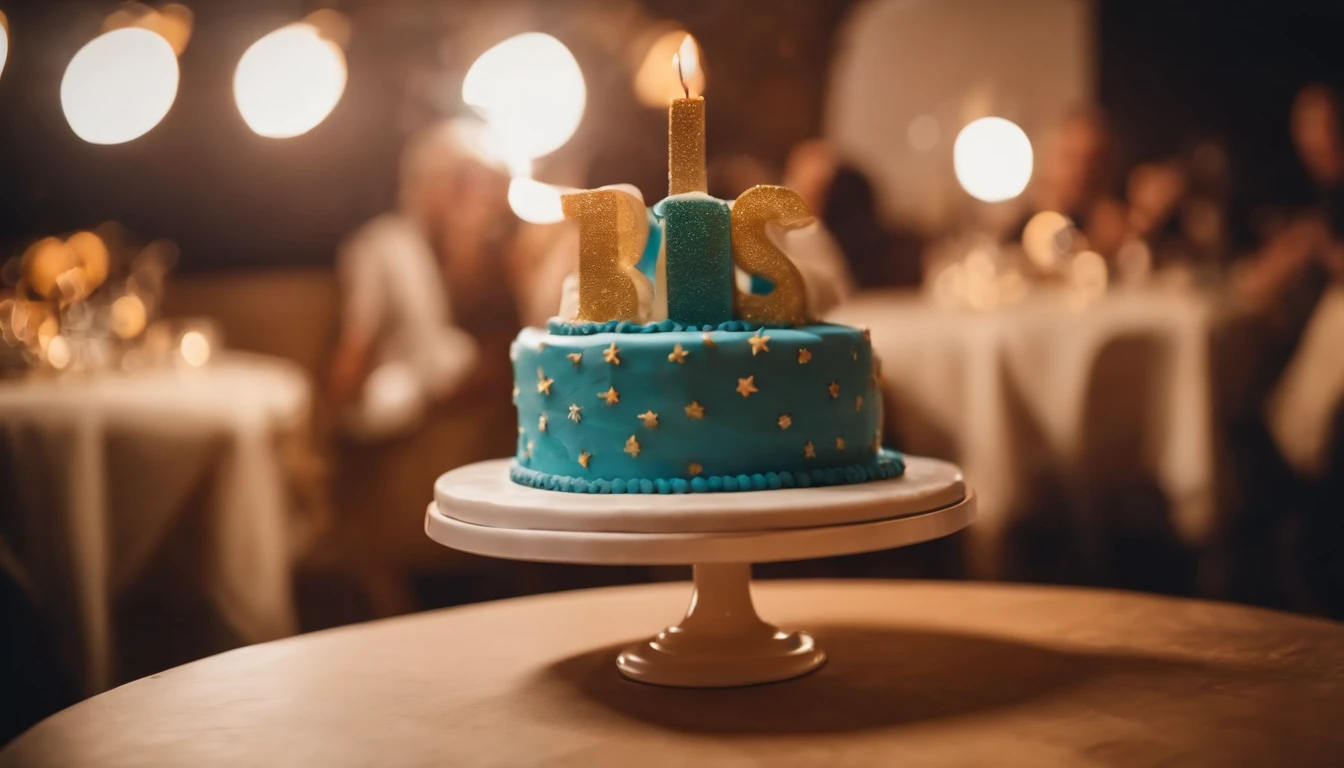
(1074, 179)
(402, 343)
(845, 200)
(1272, 361)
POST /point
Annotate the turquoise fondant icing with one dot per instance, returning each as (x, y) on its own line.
(648, 261)
(664, 411)
(699, 271)
(886, 464)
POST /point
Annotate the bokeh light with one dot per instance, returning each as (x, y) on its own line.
(4, 41)
(992, 158)
(128, 316)
(119, 86)
(195, 349)
(1047, 238)
(656, 83)
(289, 81)
(530, 91)
(536, 202)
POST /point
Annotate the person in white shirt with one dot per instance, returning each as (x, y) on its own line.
(399, 349)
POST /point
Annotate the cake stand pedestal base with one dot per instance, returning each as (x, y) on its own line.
(721, 642)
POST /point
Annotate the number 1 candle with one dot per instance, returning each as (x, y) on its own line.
(613, 228)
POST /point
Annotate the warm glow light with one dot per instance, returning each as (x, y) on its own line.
(289, 81)
(992, 158)
(1047, 237)
(656, 83)
(4, 41)
(58, 353)
(1089, 275)
(195, 349)
(536, 202)
(922, 133)
(530, 91)
(128, 316)
(119, 86)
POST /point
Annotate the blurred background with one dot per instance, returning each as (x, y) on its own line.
(263, 260)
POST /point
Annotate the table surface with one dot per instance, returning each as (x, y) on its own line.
(921, 673)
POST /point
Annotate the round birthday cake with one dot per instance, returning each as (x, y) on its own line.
(684, 358)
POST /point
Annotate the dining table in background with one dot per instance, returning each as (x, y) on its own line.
(103, 465)
(1095, 394)
(919, 673)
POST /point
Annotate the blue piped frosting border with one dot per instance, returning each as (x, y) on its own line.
(562, 328)
(886, 465)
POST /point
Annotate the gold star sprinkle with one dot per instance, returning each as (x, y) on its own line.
(708, 340)
(785, 421)
(678, 355)
(611, 396)
(515, 392)
(695, 411)
(544, 386)
(834, 389)
(746, 386)
(808, 451)
(632, 447)
(530, 445)
(839, 443)
(695, 469)
(858, 403)
(575, 357)
(649, 418)
(575, 413)
(611, 354)
(758, 344)
(584, 458)
(541, 422)
(804, 356)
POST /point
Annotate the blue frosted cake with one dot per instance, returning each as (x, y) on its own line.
(683, 358)
(657, 408)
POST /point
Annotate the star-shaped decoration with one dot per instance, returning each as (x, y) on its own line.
(544, 385)
(575, 413)
(632, 447)
(541, 345)
(611, 396)
(804, 357)
(584, 458)
(808, 451)
(515, 393)
(649, 418)
(612, 354)
(678, 355)
(785, 421)
(747, 386)
(575, 358)
(530, 445)
(694, 469)
(708, 340)
(695, 411)
(541, 422)
(839, 443)
(858, 403)
(834, 389)
(758, 344)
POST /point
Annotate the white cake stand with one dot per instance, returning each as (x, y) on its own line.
(721, 642)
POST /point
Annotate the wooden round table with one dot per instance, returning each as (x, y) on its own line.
(919, 674)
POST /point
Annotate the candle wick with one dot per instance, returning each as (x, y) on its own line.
(681, 75)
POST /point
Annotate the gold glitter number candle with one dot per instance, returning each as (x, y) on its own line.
(686, 146)
(755, 254)
(613, 226)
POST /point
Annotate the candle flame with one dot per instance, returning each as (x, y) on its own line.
(687, 62)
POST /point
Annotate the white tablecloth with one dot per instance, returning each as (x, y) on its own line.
(102, 466)
(1120, 385)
